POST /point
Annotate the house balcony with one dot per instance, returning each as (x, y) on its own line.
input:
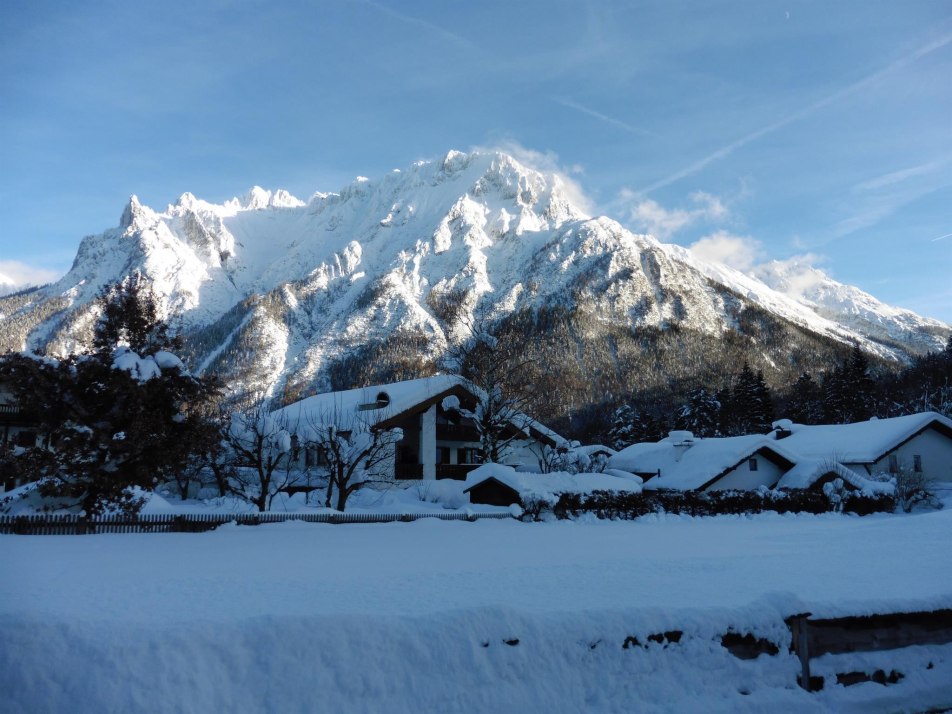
(12, 414)
(407, 472)
(456, 432)
(412, 472)
(457, 472)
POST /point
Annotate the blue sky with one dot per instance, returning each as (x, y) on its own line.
(769, 129)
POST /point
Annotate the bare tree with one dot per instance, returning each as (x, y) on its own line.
(263, 451)
(912, 489)
(563, 457)
(496, 363)
(355, 454)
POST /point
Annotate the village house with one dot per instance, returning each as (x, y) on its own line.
(687, 463)
(796, 456)
(918, 443)
(438, 440)
(17, 430)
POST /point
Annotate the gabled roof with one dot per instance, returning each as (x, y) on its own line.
(698, 464)
(862, 442)
(375, 403)
(384, 405)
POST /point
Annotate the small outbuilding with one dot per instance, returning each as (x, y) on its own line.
(500, 485)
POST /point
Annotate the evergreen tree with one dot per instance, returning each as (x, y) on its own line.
(701, 415)
(849, 392)
(116, 419)
(859, 387)
(752, 404)
(762, 416)
(728, 414)
(805, 403)
(129, 317)
(622, 432)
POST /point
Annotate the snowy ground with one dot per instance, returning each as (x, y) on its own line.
(414, 617)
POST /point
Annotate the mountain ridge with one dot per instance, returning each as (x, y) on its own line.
(273, 290)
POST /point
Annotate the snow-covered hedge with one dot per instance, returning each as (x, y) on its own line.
(627, 506)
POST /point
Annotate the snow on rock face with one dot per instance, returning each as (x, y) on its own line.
(848, 305)
(382, 255)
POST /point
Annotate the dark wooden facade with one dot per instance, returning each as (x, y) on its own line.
(492, 492)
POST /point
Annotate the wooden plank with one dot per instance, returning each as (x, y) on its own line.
(879, 632)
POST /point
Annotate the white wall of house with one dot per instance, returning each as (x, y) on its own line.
(934, 450)
(428, 443)
(742, 477)
(523, 453)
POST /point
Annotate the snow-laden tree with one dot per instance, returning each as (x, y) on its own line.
(563, 457)
(264, 454)
(128, 416)
(354, 453)
(622, 431)
(701, 415)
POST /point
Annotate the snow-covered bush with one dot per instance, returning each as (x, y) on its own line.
(447, 492)
(912, 490)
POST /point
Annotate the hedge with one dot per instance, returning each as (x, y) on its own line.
(627, 506)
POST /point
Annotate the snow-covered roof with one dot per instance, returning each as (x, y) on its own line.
(375, 403)
(593, 449)
(380, 402)
(549, 486)
(860, 442)
(808, 471)
(691, 464)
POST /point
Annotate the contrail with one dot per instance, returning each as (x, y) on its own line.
(446, 34)
(947, 235)
(603, 117)
(796, 116)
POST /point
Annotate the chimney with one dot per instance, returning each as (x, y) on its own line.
(782, 429)
(681, 441)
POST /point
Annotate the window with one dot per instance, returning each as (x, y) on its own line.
(26, 439)
(467, 455)
(314, 456)
(917, 463)
(753, 464)
(442, 454)
(893, 464)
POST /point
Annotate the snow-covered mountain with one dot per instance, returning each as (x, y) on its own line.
(850, 307)
(272, 290)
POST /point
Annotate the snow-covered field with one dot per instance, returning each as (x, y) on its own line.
(415, 617)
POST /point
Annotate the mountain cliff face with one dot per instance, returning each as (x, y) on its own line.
(277, 294)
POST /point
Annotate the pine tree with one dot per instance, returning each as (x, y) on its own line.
(859, 386)
(805, 404)
(752, 403)
(701, 415)
(622, 431)
(116, 419)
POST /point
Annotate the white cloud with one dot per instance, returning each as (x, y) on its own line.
(15, 275)
(739, 252)
(548, 163)
(795, 276)
(651, 217)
